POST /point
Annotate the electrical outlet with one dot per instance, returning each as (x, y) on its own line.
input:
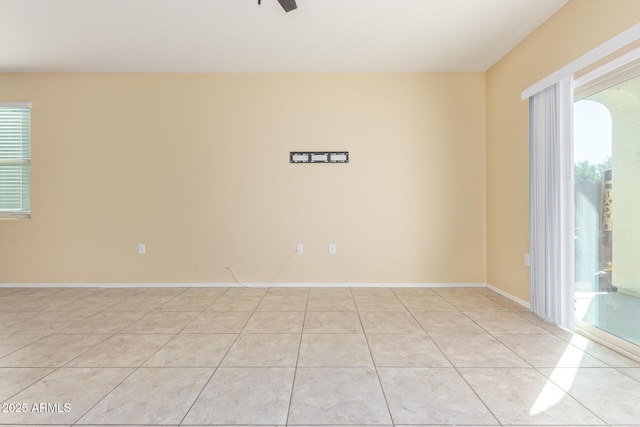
(527, 260)
(332, 248)
(300, 248)
(142, 249)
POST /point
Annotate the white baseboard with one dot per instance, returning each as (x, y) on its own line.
(248, 285)
(511, 297)
(116, 285)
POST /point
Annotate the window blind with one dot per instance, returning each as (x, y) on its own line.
(15, 160)
(551, 204)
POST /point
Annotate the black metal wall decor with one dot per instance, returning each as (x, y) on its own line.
(319, 157)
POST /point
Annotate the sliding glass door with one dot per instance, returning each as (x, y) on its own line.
(607, 207)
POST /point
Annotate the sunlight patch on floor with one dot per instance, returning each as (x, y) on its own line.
(560, 379)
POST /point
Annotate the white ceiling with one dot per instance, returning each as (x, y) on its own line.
(239, 36)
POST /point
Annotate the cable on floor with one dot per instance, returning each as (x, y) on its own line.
(270, 285)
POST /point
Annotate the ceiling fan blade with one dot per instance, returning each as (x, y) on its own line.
(288, 5)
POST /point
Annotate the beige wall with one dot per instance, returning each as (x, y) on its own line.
(196, 167)
(575, 29)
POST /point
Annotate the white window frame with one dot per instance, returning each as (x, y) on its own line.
(21, 214)
(610, 74)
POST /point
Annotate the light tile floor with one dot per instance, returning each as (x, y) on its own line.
(300, 357)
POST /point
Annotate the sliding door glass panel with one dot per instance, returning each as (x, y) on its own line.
(607, 209)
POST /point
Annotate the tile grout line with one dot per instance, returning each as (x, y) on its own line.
(24, 346)
(105, 396)
(375, 367)
(117, 385)
(55, 368)
(493, 335)
(157, 309)
(295, 370)
(568, 393)
(135, 369)
(449, 360)
(221, 359)
(619, 369)
(34, 382)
